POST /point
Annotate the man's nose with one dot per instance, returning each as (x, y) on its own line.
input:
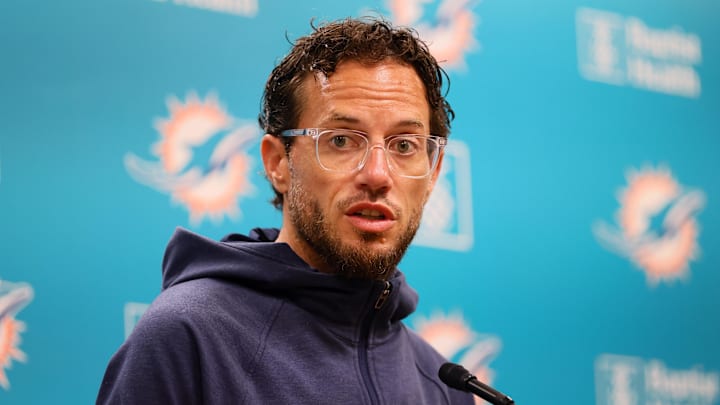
(375, 174)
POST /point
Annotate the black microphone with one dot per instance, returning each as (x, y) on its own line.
(455, 376)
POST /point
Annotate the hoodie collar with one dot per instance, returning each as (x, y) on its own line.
(255, 261)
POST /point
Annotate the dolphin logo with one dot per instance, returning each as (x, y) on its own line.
(450, 36)
(657, 229)
(13, 298)
(208, 187)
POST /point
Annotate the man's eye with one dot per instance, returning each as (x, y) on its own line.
(404, 146)
(339, 141)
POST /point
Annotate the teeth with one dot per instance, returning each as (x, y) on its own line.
(371, 213)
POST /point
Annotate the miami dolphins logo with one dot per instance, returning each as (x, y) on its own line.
(450, 36)
(208, 186)
(13, 298)
(451, 336)
(657, 229)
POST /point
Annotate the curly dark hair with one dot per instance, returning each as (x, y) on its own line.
(367, 40)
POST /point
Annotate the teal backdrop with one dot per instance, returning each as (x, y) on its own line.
(568, 255)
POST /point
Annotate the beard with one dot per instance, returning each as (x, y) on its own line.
(347, 260)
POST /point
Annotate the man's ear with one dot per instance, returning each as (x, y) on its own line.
(275, 161)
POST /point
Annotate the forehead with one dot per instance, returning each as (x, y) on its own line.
(355, 90)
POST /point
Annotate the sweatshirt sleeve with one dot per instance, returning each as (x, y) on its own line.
(158, 364)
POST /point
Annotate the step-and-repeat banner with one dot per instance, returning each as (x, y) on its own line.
(569, 253)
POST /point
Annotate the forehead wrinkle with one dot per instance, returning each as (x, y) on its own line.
(384, 87)
(336, 117)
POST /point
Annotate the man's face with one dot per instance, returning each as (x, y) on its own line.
(357, 223)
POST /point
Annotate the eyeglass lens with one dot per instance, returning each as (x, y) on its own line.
(411, 155)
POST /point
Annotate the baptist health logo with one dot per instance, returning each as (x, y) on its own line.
(624, 380)
(447, 221)
(453, 338)
(13, 298)
(623, 51)
(449, 33)
(657, 226)
(208, 186)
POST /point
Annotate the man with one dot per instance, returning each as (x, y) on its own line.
(310, 314)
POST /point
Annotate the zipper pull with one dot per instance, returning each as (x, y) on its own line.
(383, 295)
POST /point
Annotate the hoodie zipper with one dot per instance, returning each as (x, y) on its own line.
(383, 296)
(365, 342)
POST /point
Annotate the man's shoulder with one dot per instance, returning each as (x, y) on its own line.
(207, 305)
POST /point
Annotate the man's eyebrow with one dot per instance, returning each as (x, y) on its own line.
(335, 117)
(411, 123)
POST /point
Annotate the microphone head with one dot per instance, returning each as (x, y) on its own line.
(455, 376)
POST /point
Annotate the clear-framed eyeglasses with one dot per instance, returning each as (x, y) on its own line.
(345, 150)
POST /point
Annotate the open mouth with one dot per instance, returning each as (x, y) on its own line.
(371, 217)
(369, 214)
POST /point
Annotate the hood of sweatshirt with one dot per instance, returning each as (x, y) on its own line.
(272, 268)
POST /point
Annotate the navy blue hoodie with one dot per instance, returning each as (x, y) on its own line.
(246, 321)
